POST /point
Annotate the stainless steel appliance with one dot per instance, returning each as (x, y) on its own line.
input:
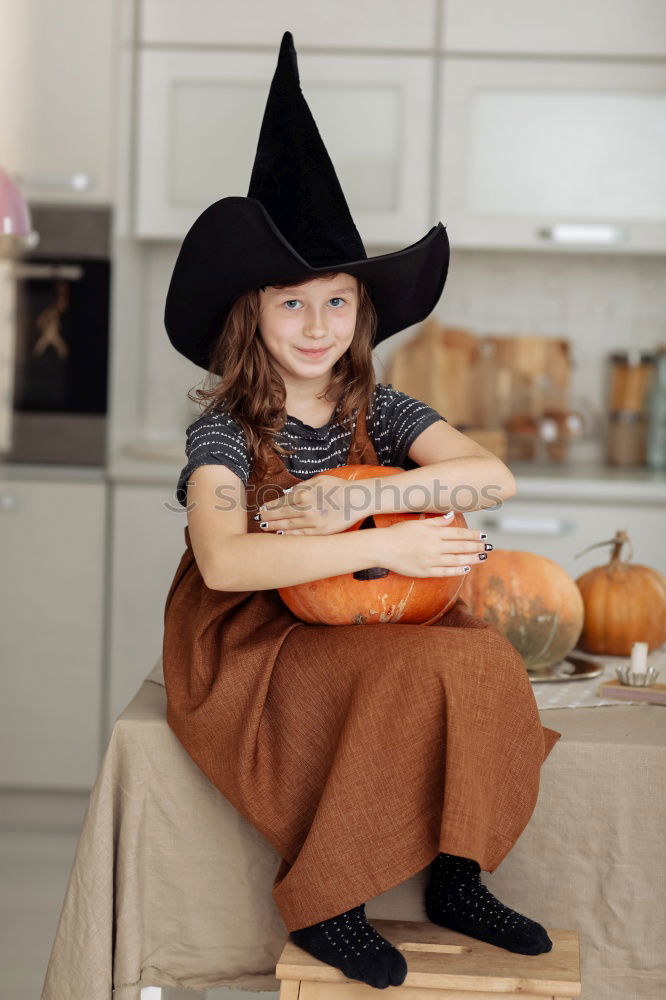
(57, 340)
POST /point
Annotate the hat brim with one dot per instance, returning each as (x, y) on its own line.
(234, 245)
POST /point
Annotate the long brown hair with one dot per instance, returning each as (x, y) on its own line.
(253, 393)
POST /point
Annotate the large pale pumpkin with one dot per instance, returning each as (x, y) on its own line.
(377, 594)
(624, 603)
(532, 600)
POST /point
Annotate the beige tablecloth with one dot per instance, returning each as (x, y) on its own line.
(170, 886)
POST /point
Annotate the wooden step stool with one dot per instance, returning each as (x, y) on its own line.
(452, 966)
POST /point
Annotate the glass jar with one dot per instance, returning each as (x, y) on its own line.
(631, 373)
(626, 438)
(655, 410)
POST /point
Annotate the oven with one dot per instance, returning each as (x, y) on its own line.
(54, 340)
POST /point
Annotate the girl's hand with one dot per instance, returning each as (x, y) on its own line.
(429, 547)
(322, 505)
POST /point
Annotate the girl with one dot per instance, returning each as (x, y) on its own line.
(362, 754)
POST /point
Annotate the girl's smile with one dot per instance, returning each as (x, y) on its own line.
(313, 353)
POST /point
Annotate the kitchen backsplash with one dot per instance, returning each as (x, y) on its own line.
(600, 302)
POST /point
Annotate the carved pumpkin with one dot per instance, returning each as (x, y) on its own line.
(532, 600)
(624, 603)
(377, 594)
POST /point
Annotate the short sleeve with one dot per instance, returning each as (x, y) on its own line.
(214, 439)
(397, 420)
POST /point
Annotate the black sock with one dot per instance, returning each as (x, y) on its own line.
(457, 898)
(352, 945)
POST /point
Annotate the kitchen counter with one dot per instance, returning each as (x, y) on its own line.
(591, 481)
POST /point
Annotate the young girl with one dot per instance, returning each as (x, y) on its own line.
(363, 753)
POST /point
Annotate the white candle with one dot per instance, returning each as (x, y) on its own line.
(638, 663)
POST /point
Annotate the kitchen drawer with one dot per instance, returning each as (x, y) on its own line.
(595, 28)
(374, 24)
(560, 530)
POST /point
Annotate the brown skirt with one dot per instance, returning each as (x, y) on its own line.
(359, 752)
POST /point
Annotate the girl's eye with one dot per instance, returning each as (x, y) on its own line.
(335, 298)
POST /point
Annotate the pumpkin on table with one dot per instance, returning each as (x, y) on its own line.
(624, 603)
(532, 600)
(376, 595)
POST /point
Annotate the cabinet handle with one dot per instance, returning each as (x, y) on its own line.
(592, 233)
(78, 181)
(518, 524)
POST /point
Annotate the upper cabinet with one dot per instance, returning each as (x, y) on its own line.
(200, 114)
(553, 154)
(519, 125)
(57, 78)
(373, 24)
(554, 27)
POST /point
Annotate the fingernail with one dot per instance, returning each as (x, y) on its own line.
(483, 535)
(488, 547)
(449, 514)
(263, 524)
(466, 569)
(280, 531)
(257, 516)
(483, 555)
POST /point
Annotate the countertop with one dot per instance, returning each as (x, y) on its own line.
(590, 481)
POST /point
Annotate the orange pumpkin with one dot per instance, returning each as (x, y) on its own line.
(377, 594)
(532, 600)
(624, 603)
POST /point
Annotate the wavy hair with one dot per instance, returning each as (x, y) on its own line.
(250, 390)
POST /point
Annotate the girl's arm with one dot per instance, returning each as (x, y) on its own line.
(229, 558)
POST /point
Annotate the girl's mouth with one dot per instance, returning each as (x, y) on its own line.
(314, 354)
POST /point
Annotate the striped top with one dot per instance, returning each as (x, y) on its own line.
(394, 420)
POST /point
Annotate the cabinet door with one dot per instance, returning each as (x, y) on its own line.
(148, 541)
(56, 98)
(560, 530)
(556, 27)
(553, 154)
(191, 102)
(52, 537)
(374, 24)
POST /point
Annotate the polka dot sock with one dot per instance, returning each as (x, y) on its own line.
(352, 945)
(456, 898)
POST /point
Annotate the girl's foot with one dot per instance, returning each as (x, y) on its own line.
(457, 898)
(352, 945)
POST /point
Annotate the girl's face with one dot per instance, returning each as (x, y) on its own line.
(318, 315)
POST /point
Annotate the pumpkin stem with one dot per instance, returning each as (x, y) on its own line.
(621, 538)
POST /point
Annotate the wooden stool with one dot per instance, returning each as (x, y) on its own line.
(452, 965)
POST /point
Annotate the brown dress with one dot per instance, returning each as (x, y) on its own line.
(358, 751)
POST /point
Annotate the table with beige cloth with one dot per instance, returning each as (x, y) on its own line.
(171, 886)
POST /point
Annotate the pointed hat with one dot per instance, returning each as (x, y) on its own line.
(294, 223)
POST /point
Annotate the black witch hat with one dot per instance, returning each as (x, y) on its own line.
(293, 224)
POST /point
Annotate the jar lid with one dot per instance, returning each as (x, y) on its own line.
(633, 356)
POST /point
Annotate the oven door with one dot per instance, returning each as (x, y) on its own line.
(59, 361)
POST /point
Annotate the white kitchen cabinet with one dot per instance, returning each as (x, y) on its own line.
(342, 23)
(52, 538)
(148, 541)
(555, 27)
(557, 154)
(561, 529)
(57, 81)
(373, 112)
